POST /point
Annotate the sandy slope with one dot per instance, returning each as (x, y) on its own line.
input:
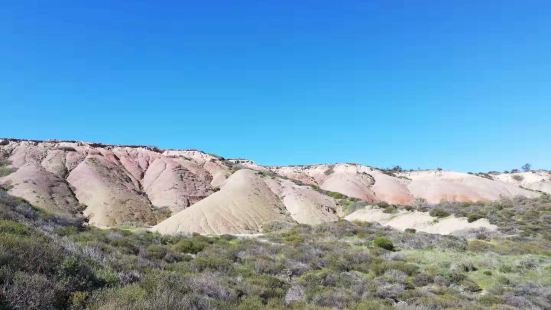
(304, 204)
(176, 183)
(420, 221)
(391, 189)
(342, 178)
(353, 180)
(112, 197)
(436, 186)
(243, 205)
(433, 186)
(535, 180)
(43, 189)
(246, 201)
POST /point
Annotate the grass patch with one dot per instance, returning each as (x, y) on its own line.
(5, 168)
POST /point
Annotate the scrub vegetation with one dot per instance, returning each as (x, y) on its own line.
(5, 168)
(51, 262)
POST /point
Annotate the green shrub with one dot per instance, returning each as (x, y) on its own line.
(209, 263)
(518, 177)
(31, 254)
(437, 212)
(336, 195)
(330, 170)
(480, 246)
(32, 291)
(385, 266)
(127, 297)
(454, 276)
(268, 287)
(156, 251)
(251, 303)
(5, 168)
(470, 286)
(474, 217)
(490, 300)
(293, 237)
(384, 243)
(77, 300)
(505, 268)
(77, 275)
(14, 228)
(67, 230)
(191, 246)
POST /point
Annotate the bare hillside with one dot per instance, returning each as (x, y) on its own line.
(192, 191)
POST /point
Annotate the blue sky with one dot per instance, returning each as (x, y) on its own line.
(462, 85)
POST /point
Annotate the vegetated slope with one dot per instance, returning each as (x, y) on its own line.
(248, 200)
(433, 186)
(53, 262)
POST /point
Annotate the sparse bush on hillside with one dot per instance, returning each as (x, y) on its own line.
(330, 170)
(335, 195)
(193, 245)
(384, 243)
(5, 168)
(518, 177)
(437, 212)
(474, 217)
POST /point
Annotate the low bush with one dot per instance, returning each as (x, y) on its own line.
(32, 291)
(474, 217)
(5, 168)
(384, 243)
(192, 246)
(517, 177)
(438, 212)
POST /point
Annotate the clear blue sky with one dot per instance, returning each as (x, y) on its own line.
(462, 85)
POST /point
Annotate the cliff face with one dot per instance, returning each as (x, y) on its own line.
(115, 185)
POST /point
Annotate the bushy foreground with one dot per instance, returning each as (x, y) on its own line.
(48, 262)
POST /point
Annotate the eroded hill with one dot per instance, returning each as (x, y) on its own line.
(184, 191)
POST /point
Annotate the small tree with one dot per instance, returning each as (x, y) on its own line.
(526, 167)
(396, 169)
